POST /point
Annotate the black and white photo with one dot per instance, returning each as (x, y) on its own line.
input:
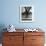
(26, 13)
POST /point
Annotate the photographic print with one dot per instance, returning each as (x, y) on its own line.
(26, 13)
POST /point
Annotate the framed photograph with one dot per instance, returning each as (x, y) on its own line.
(26, 13)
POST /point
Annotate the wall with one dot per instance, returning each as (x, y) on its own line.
(9, 13)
